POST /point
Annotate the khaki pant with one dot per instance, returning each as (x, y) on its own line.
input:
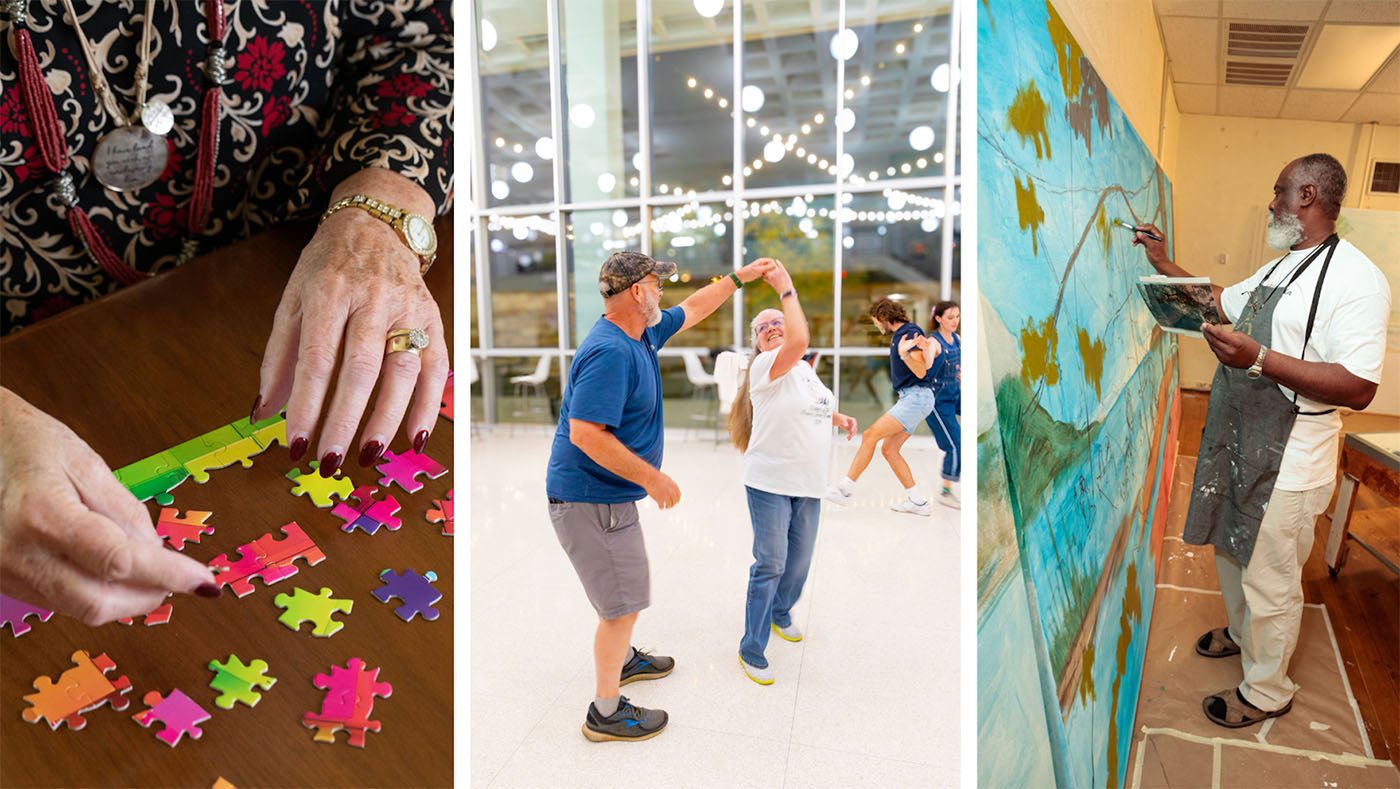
(1265, 599)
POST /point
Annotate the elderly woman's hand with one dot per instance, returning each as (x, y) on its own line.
(72, 539)
(846, 423)
(355, 282)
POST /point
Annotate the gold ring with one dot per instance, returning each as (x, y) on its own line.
(412, 340)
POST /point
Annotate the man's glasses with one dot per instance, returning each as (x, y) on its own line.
(660, 288)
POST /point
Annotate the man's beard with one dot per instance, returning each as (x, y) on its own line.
(653, 312)
(1285, 230)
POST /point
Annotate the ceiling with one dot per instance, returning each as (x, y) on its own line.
(1263, 58)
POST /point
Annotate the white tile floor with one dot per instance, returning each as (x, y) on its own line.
(870, 697)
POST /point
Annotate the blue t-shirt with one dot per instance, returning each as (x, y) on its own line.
(945, 369)
(614, 381)
(900, 374)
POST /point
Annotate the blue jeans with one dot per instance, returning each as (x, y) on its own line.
(784, 536)
(947, 431)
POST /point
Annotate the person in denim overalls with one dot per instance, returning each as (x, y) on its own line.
(946, 374)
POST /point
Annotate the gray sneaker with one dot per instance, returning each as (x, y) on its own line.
(839, 497)
(628, 723)
(790, 633)
(763, 676)
(949, 499)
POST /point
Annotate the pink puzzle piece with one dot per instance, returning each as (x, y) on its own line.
(159, 616)
(177, 711)
(267, 558)
(405, 467)
(348, 702)
(446, 409)
(367, 514)
(13, 613)
(177, 530)
(442, 512)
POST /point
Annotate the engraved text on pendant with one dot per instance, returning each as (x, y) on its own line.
(129, 158)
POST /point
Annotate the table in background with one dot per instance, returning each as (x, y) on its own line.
(1373, 460)
(141, 371)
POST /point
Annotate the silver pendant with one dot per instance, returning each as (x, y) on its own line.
(157, 117)
(129, 158)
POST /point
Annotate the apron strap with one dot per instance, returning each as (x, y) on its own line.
(1332, 242)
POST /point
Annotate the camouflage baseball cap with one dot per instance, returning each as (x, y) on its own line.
(624, 269)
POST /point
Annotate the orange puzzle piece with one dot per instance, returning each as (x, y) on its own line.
(80, 689)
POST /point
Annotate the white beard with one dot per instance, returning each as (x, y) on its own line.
(1285, 230)
(653, 313)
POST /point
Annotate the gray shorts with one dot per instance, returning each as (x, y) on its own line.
(604, 543)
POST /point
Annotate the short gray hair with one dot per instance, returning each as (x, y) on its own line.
(1327, 174)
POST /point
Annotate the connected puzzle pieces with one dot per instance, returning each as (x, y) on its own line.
(348, 702)
(315, 608)
(267, 558)
(442, 512)
(13, 613)
(159, 616)
(416, 591)
(176, 529)
(405, 467)
(80, 689)
(180, 714)
(318, 488)
(157, 475)
(368, 515)
(236, 681)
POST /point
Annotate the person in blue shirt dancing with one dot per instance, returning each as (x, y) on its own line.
(946, 373)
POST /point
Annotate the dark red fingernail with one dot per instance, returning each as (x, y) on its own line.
(298, 448)
(420, 440)
(208, 590)
(329, 463)
(253, 415)
(370, 452)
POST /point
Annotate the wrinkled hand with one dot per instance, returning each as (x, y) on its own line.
(756, 270)
(779, 278)
(846, 423)
(71, 537)
(664, 490)
(1156, 250)
(355, 281)
(1232, 348)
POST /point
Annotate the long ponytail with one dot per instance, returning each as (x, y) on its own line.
(741, 414)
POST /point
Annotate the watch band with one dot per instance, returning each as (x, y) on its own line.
(1257, 369)
(391, 215)
(738, 283)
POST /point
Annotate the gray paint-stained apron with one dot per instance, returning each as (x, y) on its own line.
(1247, 426)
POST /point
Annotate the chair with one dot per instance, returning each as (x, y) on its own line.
(702, 382)
(533, 381)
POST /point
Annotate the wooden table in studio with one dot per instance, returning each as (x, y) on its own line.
(1373, 460)
(139, 372)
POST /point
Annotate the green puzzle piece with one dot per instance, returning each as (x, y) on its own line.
(210, 442)
(266, 433)
(154, 476)
(235, 681)
(306, 607)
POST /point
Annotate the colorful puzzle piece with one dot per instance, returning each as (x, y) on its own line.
(441, 512)
(348, 702)
(269, 431)
(177, 529)
(153, 477)
(405, 467)
(315, 608)
(236, 681)
(222, 783)
(240, 451)
(159, 616)
(13, 613)
(368, 515)
(320, 489)
(446, 409)
(416, 591)
(267, 558)
(80, 689)
(180, 714)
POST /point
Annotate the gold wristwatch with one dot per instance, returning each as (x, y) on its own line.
(416, 231)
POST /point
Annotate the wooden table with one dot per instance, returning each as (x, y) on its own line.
(152, 366)
(1369, 459)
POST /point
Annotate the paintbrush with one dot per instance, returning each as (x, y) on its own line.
(1133, 229)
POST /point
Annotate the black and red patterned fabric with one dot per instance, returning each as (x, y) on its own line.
(315, 91)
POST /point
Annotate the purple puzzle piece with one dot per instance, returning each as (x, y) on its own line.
(13, 612)
(416, 591)
(405, 467)
(367, 514)
(177, 711)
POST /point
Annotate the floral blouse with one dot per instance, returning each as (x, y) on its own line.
(314, 92)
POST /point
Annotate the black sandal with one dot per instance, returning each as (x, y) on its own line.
(1230, 709)
(1217, 644)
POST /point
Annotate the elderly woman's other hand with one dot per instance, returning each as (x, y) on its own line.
(846, 423)
(71, 537)
(356, 281)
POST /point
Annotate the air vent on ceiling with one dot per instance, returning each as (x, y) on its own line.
(1246, 40)
(1246, 73)
(1385, 177)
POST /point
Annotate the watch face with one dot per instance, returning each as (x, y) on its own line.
(420, 234)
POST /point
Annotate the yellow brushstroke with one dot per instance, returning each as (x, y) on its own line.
(1027, 115)
(1091, 351)
(1103, 225)
(1086, 676)
(1028, 211)
(1038, 347)
(1132, 610)
(1068, 51)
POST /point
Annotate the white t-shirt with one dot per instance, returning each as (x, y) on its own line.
(790, 446)
(1349, 330)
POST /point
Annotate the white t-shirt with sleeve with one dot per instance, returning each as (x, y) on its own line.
(790, 446)
(1349, 330)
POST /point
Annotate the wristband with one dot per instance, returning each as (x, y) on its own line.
(738, 283)
(786, 293)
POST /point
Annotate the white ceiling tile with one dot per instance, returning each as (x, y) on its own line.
(1318, 105)
(1377, 107)
(1387, 80)
(1210, 8)
(1273, 10)
(1192, 46)
(1370, 11)
(1254, 102)
(1195, 99)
